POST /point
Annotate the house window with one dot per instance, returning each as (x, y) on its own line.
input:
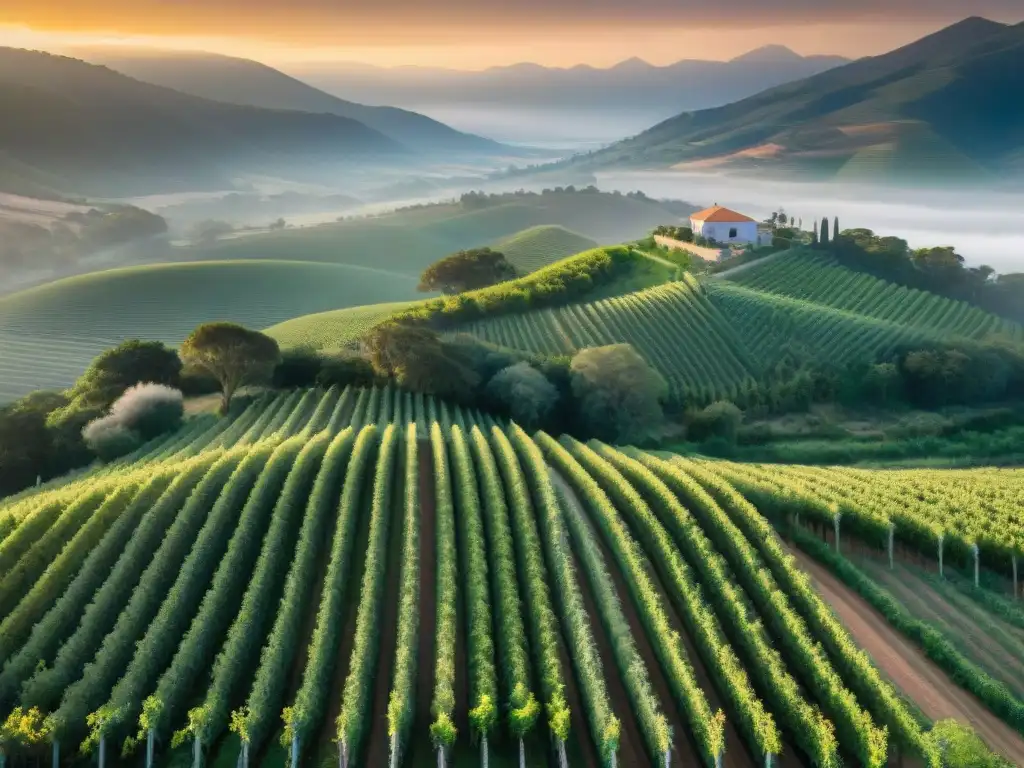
(732, 232)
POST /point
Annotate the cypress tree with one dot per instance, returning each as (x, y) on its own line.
(814, 233)
(824, 231)
(835, 228)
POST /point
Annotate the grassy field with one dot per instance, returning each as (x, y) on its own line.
(51, 333)
(537, 247)
(408, 241)
(364, 562)
(332, 330)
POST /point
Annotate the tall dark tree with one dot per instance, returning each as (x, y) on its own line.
(814, 233)
(823, 235)
(835, 228)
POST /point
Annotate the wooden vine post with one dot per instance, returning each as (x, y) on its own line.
(977, 564)
(836, 519)
(941, 574)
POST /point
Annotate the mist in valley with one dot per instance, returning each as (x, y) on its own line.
(983, 226)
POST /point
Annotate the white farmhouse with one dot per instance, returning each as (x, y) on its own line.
(724, 226)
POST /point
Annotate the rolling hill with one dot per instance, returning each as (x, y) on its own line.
(711, 339)
(242, 81)
(49, 334)
(407, 241)
(539, 246)
(932, 110)
(97, 132)
(409, 544)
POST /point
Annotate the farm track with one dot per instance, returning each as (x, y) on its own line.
(916, 676)
(924, 602)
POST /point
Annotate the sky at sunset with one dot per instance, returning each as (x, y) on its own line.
(473, 34)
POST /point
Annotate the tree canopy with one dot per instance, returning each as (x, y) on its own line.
(129, 363)
(417, 359)
(232, 354)
(466, 271)
(619, 394)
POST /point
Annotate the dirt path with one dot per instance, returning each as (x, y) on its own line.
(927, 686)
(973, 639)
(419, 748)
(377, 746)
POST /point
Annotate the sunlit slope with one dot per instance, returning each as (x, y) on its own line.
(819, 279)
(216, 579)
(537, 247)
(50, 334)
(332, 330)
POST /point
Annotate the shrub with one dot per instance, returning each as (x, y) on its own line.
(109, 439)
(345, 370)
(129, 363)
(298, 367)
(525, 393)
(961, 747)
(149, 410)
(719, 420)
(618, 393)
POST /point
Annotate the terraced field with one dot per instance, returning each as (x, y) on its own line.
(332, 330)
(370, 577)
(51, 333)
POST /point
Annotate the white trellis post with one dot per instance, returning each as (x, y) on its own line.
(343, 756)
(614, 761)
(941, 537)
(295, 750)
(563, 758)
(720, 759)
(394, 751)
(197, 752)
(892, 536)
(103, 751)
(245, 754)
(668, 758)
(1013, 559)
(977, 565)
(483, 751)
(769, 760)
(55, 754)
(440, 757)
(522, 754)
(150, 737)
(838, 517)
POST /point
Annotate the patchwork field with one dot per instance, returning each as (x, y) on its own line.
(51, 333)
(370, 577)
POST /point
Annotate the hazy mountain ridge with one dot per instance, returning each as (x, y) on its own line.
(242, 81)
(631, 84)
(937, 108)
(98, 132)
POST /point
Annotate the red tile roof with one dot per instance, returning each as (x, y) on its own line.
(719, 213)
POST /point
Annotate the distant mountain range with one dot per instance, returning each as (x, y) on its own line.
(947, 107)
(242, 81)
(633, 84)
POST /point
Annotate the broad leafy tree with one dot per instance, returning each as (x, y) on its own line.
(467, 271)
(232, 354)
(618, 393)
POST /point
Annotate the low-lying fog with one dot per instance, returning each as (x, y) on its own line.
(984, 227)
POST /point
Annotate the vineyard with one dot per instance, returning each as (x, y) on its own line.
(335, 329)
(709, 339)
(818, 279)
(371, 577)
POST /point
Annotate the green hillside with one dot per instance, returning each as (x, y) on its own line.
(709, 338)
(332, 330)
(408, 241)
(819, 279)
(50, 333)
(537, 247)
(353, 573)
